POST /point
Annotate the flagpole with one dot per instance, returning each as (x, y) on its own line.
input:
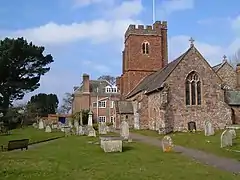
(153, 11)
(97, 105)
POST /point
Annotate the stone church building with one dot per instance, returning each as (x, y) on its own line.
(165, 96)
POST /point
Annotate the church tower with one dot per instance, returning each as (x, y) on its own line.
(145, 52)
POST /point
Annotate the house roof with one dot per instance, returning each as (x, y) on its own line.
(232, 97)
(155, 80)
(97, 87)
(124, 107)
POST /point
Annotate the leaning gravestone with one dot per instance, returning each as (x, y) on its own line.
(226, 139)
(40, 124)
(76, 124)
(233, 133)
(167, 144)
(102, 128)
(208, 129)
(124, 130)
(48, 129)
(91, 131)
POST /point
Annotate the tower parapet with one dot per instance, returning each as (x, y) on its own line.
(154, 29)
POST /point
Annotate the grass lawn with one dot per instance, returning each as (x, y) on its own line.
(29, 133)
(73, 158)
(201, 142)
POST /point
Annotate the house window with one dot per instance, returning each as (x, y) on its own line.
(94, 104)
(112, 104)
(145, 48)
(102, 119)
(193, 89)
(102, 104)
(112, 119)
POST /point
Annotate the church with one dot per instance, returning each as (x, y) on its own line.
(165, 96)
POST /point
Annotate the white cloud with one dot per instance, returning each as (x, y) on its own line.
(167, 7)
(212, 53)
(84, 3)
(126, 9)
(236, 24)
(97, 31)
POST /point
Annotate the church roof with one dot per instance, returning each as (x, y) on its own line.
(124, 107)
(232, 97)
(155, 80)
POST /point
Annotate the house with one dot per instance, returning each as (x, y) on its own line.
(97, 96)
(164, 96)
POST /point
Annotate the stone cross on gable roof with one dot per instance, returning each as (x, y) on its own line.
(191, 41)
(224, 58)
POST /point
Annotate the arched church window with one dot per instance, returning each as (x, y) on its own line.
(145, 48)
(193, 89)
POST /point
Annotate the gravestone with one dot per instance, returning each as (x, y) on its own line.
(102, 128)
(208, 129)
(70, 123)
(90, 116)
(35, 125)
(54, 126)
(111, 144)
(192, 126)
(76, 124)
(48, 129)
(40, 124)
(80, 131)
(91, 131)
(167, 144)
(67, 130)
(124, 130)
(226, 139)
(233, 133)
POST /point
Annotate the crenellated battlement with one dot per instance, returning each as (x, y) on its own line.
(154, 29)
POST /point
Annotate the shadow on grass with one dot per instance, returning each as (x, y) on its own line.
(127, 148)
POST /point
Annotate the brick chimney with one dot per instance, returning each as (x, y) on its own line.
(118, 79)
(238, 75)
(86, 83)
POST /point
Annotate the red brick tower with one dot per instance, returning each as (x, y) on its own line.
(145, 51)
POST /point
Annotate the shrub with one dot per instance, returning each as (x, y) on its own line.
(109, 124)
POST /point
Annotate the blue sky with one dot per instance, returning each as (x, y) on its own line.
(86, 36)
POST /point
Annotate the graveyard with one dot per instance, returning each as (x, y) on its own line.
(199, 141)
(80, 157)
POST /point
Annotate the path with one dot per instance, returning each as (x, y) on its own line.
(203, 157)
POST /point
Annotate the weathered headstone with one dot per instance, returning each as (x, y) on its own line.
(90, 116)
(208, 129)
(70, 123)
(67, 130)
(54, 126)
(167, 144)
(35, 125)
(80, 130)
(233, 133)
(102, 128)
(48, 129)
(91, 131)
(76, 124)
(111, 144)
(124, 130)
(226, 139)
(192, 126)
(40, 124)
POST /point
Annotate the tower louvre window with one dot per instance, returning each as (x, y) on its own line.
(145, 48)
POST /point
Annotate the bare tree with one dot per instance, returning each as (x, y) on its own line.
(66, 103)
(110, 79)
(235, 58)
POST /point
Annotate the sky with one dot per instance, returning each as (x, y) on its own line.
(86, 36)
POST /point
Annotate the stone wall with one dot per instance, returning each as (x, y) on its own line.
(212, 106)
(228, 76)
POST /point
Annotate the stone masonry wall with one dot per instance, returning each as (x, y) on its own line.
(228, 75)
(213, 107)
